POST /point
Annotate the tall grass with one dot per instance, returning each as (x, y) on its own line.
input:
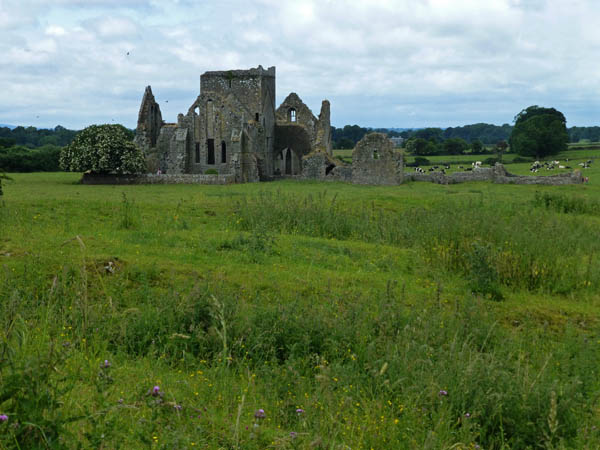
(567, 204)
(383, 335)
(363, 371)
(518, 247)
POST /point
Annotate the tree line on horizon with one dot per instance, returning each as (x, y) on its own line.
(345, 137)
(29, 149)
(484, 133)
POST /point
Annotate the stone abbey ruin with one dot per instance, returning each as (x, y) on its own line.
(232, 133)
(233, 129)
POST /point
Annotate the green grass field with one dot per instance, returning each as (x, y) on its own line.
(415, 316)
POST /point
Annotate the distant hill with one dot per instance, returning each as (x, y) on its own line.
(4, 125)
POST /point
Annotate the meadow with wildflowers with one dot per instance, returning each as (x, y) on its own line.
(294, 315)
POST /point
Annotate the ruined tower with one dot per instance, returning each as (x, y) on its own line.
(235, 119)
(232, 128)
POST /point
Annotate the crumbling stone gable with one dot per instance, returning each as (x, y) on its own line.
(374, 161)
(293, 111)
(149, 122)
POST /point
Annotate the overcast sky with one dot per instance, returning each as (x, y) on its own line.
(381, 63)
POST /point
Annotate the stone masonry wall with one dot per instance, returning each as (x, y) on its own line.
(374, 161)
(96, 179)
(496, 174)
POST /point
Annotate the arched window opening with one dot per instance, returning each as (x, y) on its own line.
(210, 157)
(288, 162)
(292, 115)
(197, 110)
(375, 154)
(329, 168)
(257, 117)
(223, 152)
(197, 153)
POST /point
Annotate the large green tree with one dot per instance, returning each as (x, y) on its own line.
(103, 149)
(539, 132)
(455, 146)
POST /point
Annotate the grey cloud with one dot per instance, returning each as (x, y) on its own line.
(380, 63)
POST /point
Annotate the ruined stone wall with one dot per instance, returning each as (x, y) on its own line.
(249, 86)
(374, 161)
(293, 142)
(341, 173)
(163, 146)
(95, 179)
(220, 118)
(293, 112)
(318, 166)
(323, 136)
(553, 180)
(149, 122)
(496, 174)
(229, 102)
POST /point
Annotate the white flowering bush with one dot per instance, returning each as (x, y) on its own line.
(103, 149)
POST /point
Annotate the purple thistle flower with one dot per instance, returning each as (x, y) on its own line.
(443, 393)
(467, 415)
(155, 392)
(293, 434)
(178, 407)
(260, 414)
(3, 417)
(105, 364)
(299, 411)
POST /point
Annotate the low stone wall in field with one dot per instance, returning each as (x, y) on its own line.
(89, 178)
(553, 180)
(496, 174)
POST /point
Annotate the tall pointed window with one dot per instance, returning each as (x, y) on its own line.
(210, 157)
(223, 152)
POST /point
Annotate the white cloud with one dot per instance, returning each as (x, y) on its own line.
(84, 61)
(111, 27)
(55, 30)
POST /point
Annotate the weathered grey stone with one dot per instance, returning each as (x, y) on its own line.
(298, 132)
(232, 128)
(496, 174)
(374, 161)
(89, 178)
(318, 166)
(149, 121)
